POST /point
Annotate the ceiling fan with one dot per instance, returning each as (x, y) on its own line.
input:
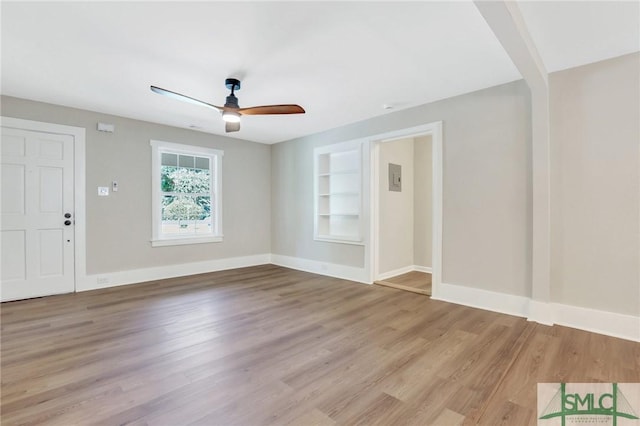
(231, 111)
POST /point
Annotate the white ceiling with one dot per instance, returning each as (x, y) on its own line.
(342, 61)
(572, 33)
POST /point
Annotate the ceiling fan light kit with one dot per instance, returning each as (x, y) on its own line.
(231, 111)
(231, 116)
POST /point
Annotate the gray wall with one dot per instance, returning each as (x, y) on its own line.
(595, 134)
(422, 201)
(292, 202)
(595, 188)
(396, 208)
(119, 226)
(487, 188)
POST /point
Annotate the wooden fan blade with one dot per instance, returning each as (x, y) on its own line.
(272, 109)
(184, 98)
(231, 127)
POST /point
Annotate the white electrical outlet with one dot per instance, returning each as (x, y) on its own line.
(103, 191)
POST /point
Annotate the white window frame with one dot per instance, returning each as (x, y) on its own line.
(157, 149)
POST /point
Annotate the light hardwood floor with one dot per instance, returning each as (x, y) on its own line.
(271, 346)
(414, 281)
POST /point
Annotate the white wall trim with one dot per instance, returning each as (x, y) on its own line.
(540, 312)
(426, 269)
(134, 276)
(345, 272)
(393, 273)
(79, 182)
(484, 299)
(403, 270)
(601, 322)
(593, 320)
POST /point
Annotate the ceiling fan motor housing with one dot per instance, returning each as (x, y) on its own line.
(232, 102)
(232, 84)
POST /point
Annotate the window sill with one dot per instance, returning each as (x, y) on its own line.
(185, 240)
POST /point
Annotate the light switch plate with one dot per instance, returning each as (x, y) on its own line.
(103, 191)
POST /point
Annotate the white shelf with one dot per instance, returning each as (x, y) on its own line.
(338, 192)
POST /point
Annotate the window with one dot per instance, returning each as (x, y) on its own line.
(186, 194)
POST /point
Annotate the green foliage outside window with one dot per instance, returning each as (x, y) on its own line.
(189, 189)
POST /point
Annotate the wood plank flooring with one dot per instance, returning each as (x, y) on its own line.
(414, 281)
(272, 346)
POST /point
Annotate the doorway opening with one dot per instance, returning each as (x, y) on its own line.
(406, 209)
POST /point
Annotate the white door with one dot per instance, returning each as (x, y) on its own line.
(37, 229)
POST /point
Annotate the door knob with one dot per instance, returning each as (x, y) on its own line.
(67, 222)
(67, 215)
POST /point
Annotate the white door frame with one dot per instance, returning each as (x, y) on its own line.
(78, 134)
(435, 131)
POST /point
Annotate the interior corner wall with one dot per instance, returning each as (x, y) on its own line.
(595, 136)
(396, 208)
(486, 193)
(422, 201)
(118, 229)
(292, 203)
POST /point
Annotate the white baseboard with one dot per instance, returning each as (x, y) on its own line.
(601, 322)
(323, 268)
(384, 275)
(593, 320)
(540, 312)
(404, 270)
(113, 279)
(484, 299)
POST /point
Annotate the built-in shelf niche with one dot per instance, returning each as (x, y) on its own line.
(338, 192)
